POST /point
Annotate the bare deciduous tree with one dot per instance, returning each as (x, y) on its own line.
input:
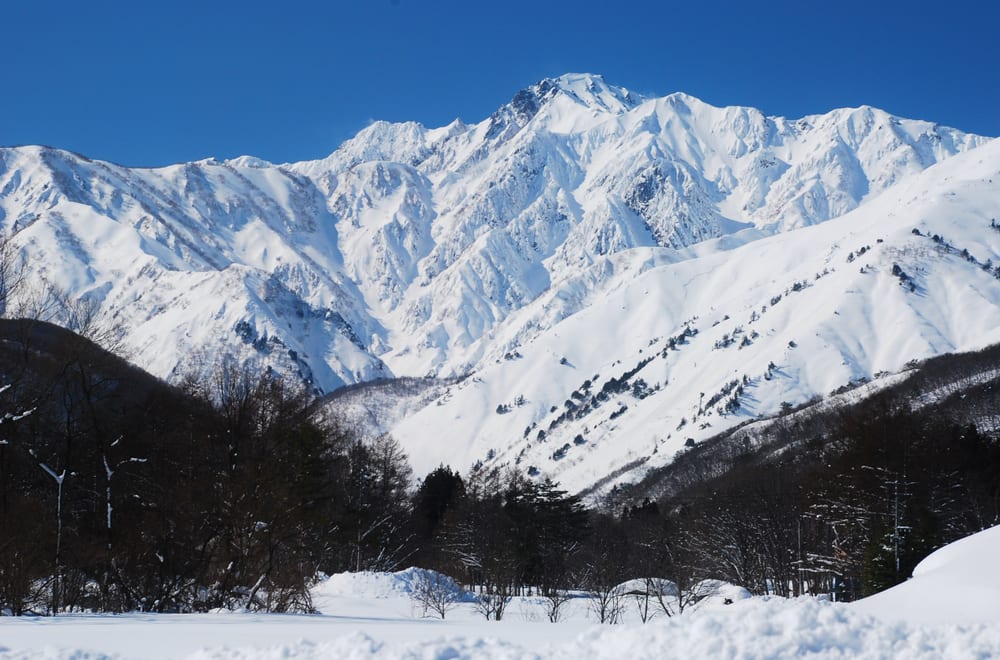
(493, 600)
(606, 602)
(555, 602)
(13, 273)
(435, 593)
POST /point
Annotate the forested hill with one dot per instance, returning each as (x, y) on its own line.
(120, 492)
(845, 485)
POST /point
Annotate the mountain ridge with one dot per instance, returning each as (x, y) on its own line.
(411, 251)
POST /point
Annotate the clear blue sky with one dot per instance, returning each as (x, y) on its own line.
(152, 83)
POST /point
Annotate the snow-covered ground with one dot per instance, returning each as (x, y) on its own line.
(949, 609)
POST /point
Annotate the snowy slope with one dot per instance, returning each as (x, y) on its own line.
(406, 250)
(697, 343)
(192, 258)
(578, 221)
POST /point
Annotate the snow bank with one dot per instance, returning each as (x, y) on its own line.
(752, 629)
(959, 583)
(712, 592)
(369, 584)
(779, 628)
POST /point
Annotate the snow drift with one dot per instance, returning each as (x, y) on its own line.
(959, 584)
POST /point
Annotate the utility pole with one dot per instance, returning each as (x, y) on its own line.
(798, 588)
(897, 528)
(895, 524)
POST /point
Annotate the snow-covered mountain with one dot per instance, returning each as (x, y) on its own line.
(615, 274)
(669, 347)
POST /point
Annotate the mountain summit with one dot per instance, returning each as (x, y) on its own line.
(576, 98)
(578, 216)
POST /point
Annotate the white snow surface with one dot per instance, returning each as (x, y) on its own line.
(947, 610)
(373, 585)
(959, 584)
(580, 227)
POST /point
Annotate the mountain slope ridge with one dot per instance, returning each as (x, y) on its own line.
(412, 251)
(724, 337)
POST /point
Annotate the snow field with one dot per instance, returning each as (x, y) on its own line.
(755, 628)
(947, 610)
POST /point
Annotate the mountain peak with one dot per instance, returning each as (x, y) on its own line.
(592, 91)
(580, 90)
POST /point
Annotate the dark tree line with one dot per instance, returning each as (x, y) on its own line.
(118, 492)
(499, 532)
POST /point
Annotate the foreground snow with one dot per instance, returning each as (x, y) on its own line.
(751, 629)
(947, 610)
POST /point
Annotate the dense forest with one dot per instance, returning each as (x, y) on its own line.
(119, 492)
